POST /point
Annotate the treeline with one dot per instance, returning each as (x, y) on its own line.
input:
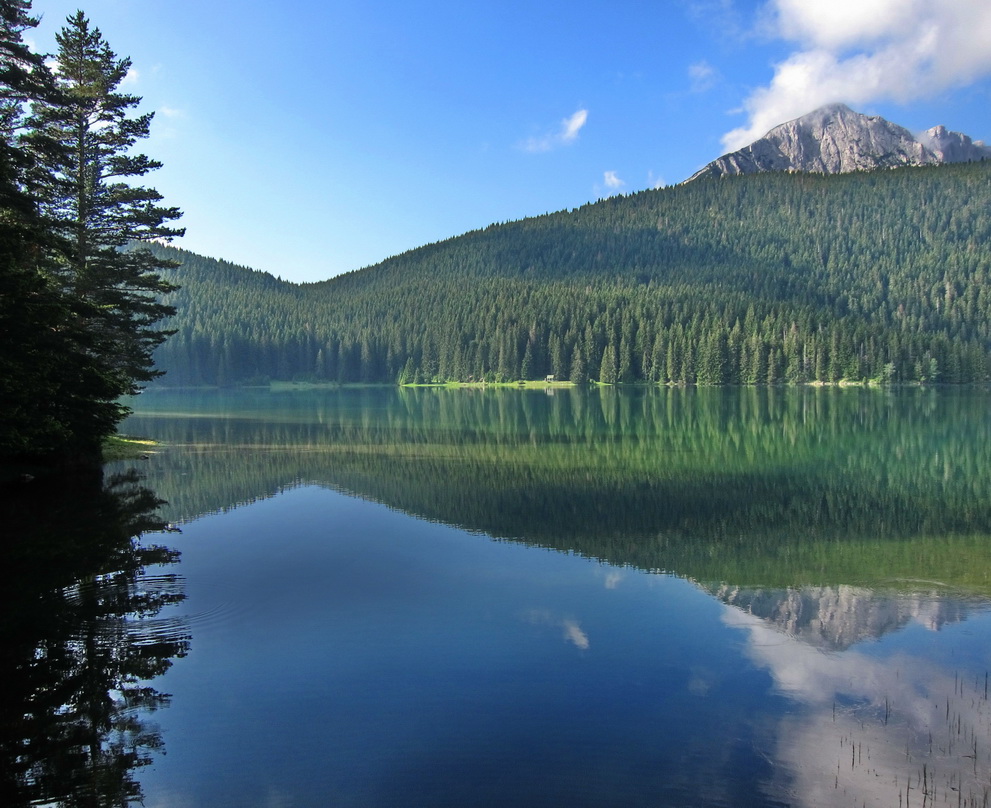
(765, 279)
(763, 485)
(78, 311)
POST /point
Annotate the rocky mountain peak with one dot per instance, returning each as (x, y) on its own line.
(953, 147)
(834, 139)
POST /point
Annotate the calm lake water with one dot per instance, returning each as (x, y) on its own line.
(387, 597)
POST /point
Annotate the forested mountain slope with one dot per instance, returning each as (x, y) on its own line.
(756, 279)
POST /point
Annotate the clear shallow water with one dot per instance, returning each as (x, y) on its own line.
(485, 598)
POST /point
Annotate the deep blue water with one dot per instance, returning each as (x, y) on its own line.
(646, 601)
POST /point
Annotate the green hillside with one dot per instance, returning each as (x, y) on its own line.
(762, 279)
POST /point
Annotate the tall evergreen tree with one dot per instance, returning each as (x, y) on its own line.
(608, 373)
(78, 305)
(44, 361)
(95, 209)
(579, 370)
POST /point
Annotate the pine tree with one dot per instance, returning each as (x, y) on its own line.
(608, 373)
(23, 75)
(48, 374)
(526, 369)
(97, 215)
(579, 371)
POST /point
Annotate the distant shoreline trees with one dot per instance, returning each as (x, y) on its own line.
(767, 279)
(79, 303)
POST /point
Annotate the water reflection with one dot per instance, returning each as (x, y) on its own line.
(900, 728)
(834, 618)
(751, 487)
(81, 636)
(844, 534)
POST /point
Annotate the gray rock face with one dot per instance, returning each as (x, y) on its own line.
(834, 139)
(837, 617)
(953, 147)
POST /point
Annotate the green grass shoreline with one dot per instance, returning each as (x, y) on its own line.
(127, 447)
(542, 384)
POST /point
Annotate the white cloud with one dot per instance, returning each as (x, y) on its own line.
(566, 133)
(722, 16)
(573, 633)
(702, 75)
(171, 112)
(864, 51)
(612, 181)
(571, 628)
(847, 23)
(655, 181)
(570, 127)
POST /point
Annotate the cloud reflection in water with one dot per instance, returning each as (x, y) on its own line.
(869, 729)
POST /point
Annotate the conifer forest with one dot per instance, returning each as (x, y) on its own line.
(755, 280)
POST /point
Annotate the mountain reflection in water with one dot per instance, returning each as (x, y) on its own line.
(842, 535)
(872, 730)
(834, 618)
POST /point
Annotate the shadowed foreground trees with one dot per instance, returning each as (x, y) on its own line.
(78, 312)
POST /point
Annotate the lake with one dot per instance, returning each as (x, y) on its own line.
(436, 597)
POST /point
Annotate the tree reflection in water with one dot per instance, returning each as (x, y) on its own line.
(80, 638)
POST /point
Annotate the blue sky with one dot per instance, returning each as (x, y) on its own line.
(317, 137)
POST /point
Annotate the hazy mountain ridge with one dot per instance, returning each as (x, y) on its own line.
(835, 140)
